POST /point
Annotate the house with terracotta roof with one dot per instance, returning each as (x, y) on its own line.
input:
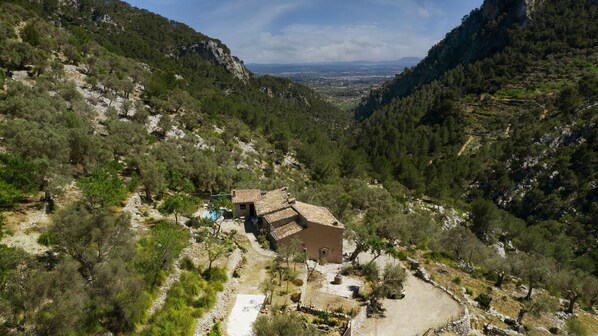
(283, 219)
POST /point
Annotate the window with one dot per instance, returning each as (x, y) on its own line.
(243, 206)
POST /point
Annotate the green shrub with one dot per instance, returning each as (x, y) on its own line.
(399, 254)
(263, 241)
(468, 291)
(298, 282)
(216, 330)
(46, 239)
(133, 182)
(216, 274)
(484, 301)
(512, 324)
(324, 316)
(457, 280)
(370, 271)
(207, 300)
(187, 264)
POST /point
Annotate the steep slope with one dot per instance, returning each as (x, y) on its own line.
(517, 126)
(111, 119)
(482, 33)
(205, 63)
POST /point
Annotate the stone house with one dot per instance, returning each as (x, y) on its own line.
(243, 202)
(284, 218)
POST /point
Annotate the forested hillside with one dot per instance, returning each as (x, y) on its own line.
(101, 103)
(118, 126)
(517, 127)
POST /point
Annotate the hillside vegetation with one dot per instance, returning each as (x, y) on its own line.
(117, 125)
(517, 128)
(99, 103)
(500, 120)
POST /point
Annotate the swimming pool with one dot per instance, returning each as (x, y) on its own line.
(214, 215)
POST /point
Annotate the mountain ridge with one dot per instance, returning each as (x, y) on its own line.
(478, 36)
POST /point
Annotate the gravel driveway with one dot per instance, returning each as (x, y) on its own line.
(423, 307)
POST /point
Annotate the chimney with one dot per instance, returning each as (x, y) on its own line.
(292, 200)
(234, 192)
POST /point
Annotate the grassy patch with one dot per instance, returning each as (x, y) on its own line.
(516, 93)
(187, 300)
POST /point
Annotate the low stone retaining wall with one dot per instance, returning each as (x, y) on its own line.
(493, 330)
(304, 285)
(461, 326)
(316, 311)
(356, 322)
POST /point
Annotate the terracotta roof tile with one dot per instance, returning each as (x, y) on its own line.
(317, 214)
(246, 195)
(286, 230)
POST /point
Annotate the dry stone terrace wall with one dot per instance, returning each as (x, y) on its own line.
(218, 312)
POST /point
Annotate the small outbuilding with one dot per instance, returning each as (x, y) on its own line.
(243, 202)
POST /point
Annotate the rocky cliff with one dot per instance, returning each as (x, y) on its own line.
(215, 52)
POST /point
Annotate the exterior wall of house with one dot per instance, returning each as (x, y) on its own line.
(317, 237)
(238, 210)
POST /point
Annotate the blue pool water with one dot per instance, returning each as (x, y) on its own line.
(213, 214)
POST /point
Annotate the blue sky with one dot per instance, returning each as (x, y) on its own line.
(303, 31)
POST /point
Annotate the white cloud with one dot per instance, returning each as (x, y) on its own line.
(423, 12)
(318, 43)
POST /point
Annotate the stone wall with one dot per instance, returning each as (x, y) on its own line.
(356, 322)
(316, 311)
(223, 298)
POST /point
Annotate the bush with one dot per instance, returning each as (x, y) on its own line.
(216, 330)
(554, 330)
(512, 323)
(216, 274)
(263, 241)
(457, 280)
(45, 238)
(484, 301)
(187, 264)
(298, 282)
(468, 291)
(193, 222)
(370, 271)
(296, 297)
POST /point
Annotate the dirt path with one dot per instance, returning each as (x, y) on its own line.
(465, 145)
